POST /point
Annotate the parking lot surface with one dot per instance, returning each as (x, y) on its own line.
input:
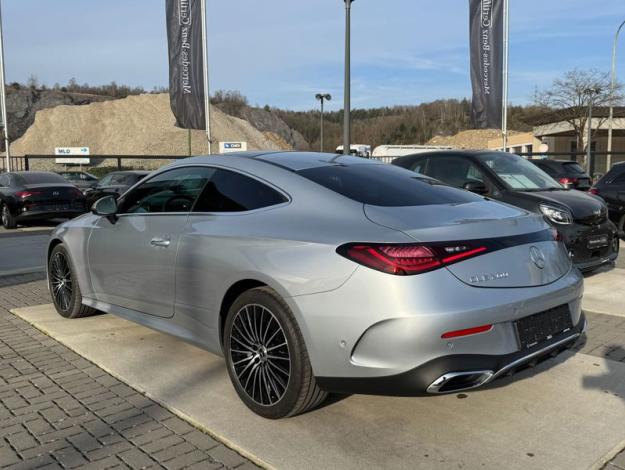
(58, 410)
(118, 392)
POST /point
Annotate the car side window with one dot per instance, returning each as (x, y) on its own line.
(455, 171)
(172, 191)
(229, 191)
(419, 165)
(4, 181)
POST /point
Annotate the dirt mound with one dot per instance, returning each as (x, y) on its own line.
(470, 139)
(137, 125)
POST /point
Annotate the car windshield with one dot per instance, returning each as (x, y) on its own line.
(385, 185)
(519, 174)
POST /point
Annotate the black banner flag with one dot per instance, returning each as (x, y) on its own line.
(486, 34)
(186, 63)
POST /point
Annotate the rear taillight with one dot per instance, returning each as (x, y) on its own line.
(27, 194)
(467, 332)
(75, 192)
(594, 191)
(406, 260)
(568, 180)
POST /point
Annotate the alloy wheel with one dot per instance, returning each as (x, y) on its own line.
(5, 215)
(61, 280)
(259, 353)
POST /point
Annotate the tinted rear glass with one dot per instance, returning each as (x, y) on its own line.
(40, 178)
(385, 185)
(573, 168)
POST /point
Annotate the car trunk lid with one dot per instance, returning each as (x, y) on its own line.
(520, 251)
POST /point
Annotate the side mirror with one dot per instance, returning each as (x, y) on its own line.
(476, 187)
(106, 207)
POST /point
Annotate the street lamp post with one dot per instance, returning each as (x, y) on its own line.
(612, 88)
(322, 97)
(347, 122)
(591, 92)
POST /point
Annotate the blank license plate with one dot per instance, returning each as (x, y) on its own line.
(543, 326)
(598, 241)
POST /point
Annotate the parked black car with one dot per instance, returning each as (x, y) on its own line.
(33, 196)
(612, 189)
(81, 179)
(115, 184)
(568, 173)
(580, 218)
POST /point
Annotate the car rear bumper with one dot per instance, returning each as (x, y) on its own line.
(453, 373)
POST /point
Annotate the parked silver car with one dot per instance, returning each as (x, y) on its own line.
(314, 273)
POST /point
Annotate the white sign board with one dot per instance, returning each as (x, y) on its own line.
(72, 155)
(228, 147)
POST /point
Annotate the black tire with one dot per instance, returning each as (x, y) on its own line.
(261, 341)
(63, 285)
(8, 220)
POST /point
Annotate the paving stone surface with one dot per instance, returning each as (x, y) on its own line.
(58, 410)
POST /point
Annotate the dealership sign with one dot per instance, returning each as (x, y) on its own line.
(72, 155)
(229, 147)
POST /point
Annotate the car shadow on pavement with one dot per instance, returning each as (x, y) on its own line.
(612, 381)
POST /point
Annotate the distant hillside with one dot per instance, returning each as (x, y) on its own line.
(398, 125)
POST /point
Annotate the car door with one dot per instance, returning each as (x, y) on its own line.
(132, 259)
(219, 232)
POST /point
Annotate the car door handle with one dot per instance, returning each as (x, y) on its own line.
(162, 242)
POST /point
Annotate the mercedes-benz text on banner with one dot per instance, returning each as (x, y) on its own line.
(186, 62)
(486, 45)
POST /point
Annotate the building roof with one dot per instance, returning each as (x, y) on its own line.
(551, 117)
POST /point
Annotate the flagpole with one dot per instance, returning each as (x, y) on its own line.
(4, 97)
(504, 110)
(207, 111)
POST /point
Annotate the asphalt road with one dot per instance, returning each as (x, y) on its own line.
(24, 250)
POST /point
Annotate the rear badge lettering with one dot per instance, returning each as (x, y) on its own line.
(479, 278)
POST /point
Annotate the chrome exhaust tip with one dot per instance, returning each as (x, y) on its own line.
(458, 381)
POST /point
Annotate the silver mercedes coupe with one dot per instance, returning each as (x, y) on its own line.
(316, 273)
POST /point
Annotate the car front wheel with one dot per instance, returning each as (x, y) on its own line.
(267, 358)
(63, 285)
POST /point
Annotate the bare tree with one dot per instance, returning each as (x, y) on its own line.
(570, 96)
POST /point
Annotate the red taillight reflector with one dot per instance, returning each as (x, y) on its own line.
(568, 180)
(465, 254)
(27, 194)
(594, 191)
(404, 260)
(394, 259)
(467, 332)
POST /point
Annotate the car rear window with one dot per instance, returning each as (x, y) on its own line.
(40, 178)
(574, 168)
(385, 185)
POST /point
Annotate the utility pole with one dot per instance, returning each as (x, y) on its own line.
(322, 97)
(3, 97)
(591, 92)
(347, 121)
(612, 88)
(207, 105)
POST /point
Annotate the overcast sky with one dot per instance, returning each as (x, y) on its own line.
(281, 52)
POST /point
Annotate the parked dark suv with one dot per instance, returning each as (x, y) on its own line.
(612, 189)
(580, 218)
(569, 174)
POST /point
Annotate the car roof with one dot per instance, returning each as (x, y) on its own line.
(293, 161)
(129, 172)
